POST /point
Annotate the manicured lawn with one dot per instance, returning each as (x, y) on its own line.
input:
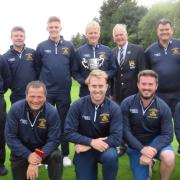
(124, 172)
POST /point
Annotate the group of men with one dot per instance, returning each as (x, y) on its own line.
(129, 112)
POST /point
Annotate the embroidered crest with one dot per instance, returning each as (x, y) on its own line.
(102, 56)
(132, 64)
(42, 123)
(29, 57)
(104, 118)
(153, 113)
(65, 51)
(175, 51)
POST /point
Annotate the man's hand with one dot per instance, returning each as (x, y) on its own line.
(32, 172)
(81, 148)
(34, 159)
(99, 144)
(144, 160)
(148, 151)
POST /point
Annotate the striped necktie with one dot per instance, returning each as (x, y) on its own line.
(120, 56)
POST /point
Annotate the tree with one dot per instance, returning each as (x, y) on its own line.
(130, 14)
(120, 11)
(78, 40)
(113, 12)
(176, 20)
(147, 26)
(107, 10)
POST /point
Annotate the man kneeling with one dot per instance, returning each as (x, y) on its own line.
(148, 129)
(94, 124)
(33, 135)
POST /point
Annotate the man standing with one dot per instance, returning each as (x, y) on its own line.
(148, 129)
(163, 57)
(94, 125)
(54, 66)
(92, 55)
(5, 78)
(130, 59)
(33, 135)
(21, 63)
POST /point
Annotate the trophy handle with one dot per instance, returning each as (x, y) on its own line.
(84, 63)
(101, 61)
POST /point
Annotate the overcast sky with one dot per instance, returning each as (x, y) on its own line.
(33, 15)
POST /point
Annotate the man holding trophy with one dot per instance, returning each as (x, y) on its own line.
(92, 55)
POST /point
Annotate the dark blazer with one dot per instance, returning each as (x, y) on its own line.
(125, 81)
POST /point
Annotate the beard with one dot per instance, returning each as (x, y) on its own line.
(146, 97)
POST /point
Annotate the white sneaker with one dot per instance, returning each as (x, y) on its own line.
(66, 161)
(45, 165)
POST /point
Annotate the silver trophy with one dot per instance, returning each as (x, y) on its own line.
(93, 63)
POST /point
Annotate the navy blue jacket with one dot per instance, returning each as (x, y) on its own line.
(22, 70)
(54, 65)
(166, 62)
(143, 126)
(84, 123)
(22, 138)
(86, 52)
(5, 76)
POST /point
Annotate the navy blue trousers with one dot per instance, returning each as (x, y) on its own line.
(86, 164)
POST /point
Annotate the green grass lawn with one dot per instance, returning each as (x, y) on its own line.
(124, 172)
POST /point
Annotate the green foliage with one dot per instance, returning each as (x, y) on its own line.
(74, 91)
(176, 19)
(141, 22)
(78, 40)
(130, 14)
(124, 12)
(107, 10)
(147, 25)
(111, 13)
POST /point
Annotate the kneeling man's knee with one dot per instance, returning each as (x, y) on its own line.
(168, 157)
(110, 155)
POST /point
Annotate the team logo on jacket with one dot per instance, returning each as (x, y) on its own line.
(104, 118)
(102, 55)
(87, 55)
(24, 121)
(175, 51)
(87, 118)
(153, 113)
(157, 54)
(42, 123)
(132, 64)
(65, 51)
(133, 111)
(48, 51)
(29, 57)
(11, 59)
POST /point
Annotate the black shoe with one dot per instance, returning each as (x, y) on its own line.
(121, 149)
(178, 151)
(3, 171)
